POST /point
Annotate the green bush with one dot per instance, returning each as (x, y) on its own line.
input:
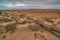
(34, 27)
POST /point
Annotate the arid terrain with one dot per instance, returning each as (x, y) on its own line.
(29, 24)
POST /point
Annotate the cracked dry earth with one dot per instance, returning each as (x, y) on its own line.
(24, 33)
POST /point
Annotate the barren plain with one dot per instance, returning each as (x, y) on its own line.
(30, 25)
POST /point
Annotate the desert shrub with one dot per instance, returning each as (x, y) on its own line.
(58, 22)
(58, 12)
(5, 19)
(10, 28)
(4, 36)
(48, 19)
(34, 27)
(0, 13)
(22, 15)
(2, 30)
(7, 29)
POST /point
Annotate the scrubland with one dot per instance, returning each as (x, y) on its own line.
(29, 25)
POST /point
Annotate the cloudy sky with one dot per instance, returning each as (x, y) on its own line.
(29, 4)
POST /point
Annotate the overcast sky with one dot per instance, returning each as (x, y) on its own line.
(29, 4)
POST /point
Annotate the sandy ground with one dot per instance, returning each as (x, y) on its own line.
(23, 33)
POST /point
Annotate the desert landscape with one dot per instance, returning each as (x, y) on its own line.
(29, 24)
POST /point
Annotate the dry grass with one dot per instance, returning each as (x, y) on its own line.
(19, 19)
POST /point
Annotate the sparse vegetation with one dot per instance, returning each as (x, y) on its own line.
(5, 20)
(2, 30)
(48, 20)
(58, 22)
(58, 12)
(4, 36)
(10, 28)
(34, 27)
(22, 15)
(9, 19)
(0, 13)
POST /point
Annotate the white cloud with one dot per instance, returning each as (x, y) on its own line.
(9, 5)
(18, 4)
(15, 5)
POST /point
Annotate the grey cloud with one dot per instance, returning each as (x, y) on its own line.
(33, 1)
(31, 4)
